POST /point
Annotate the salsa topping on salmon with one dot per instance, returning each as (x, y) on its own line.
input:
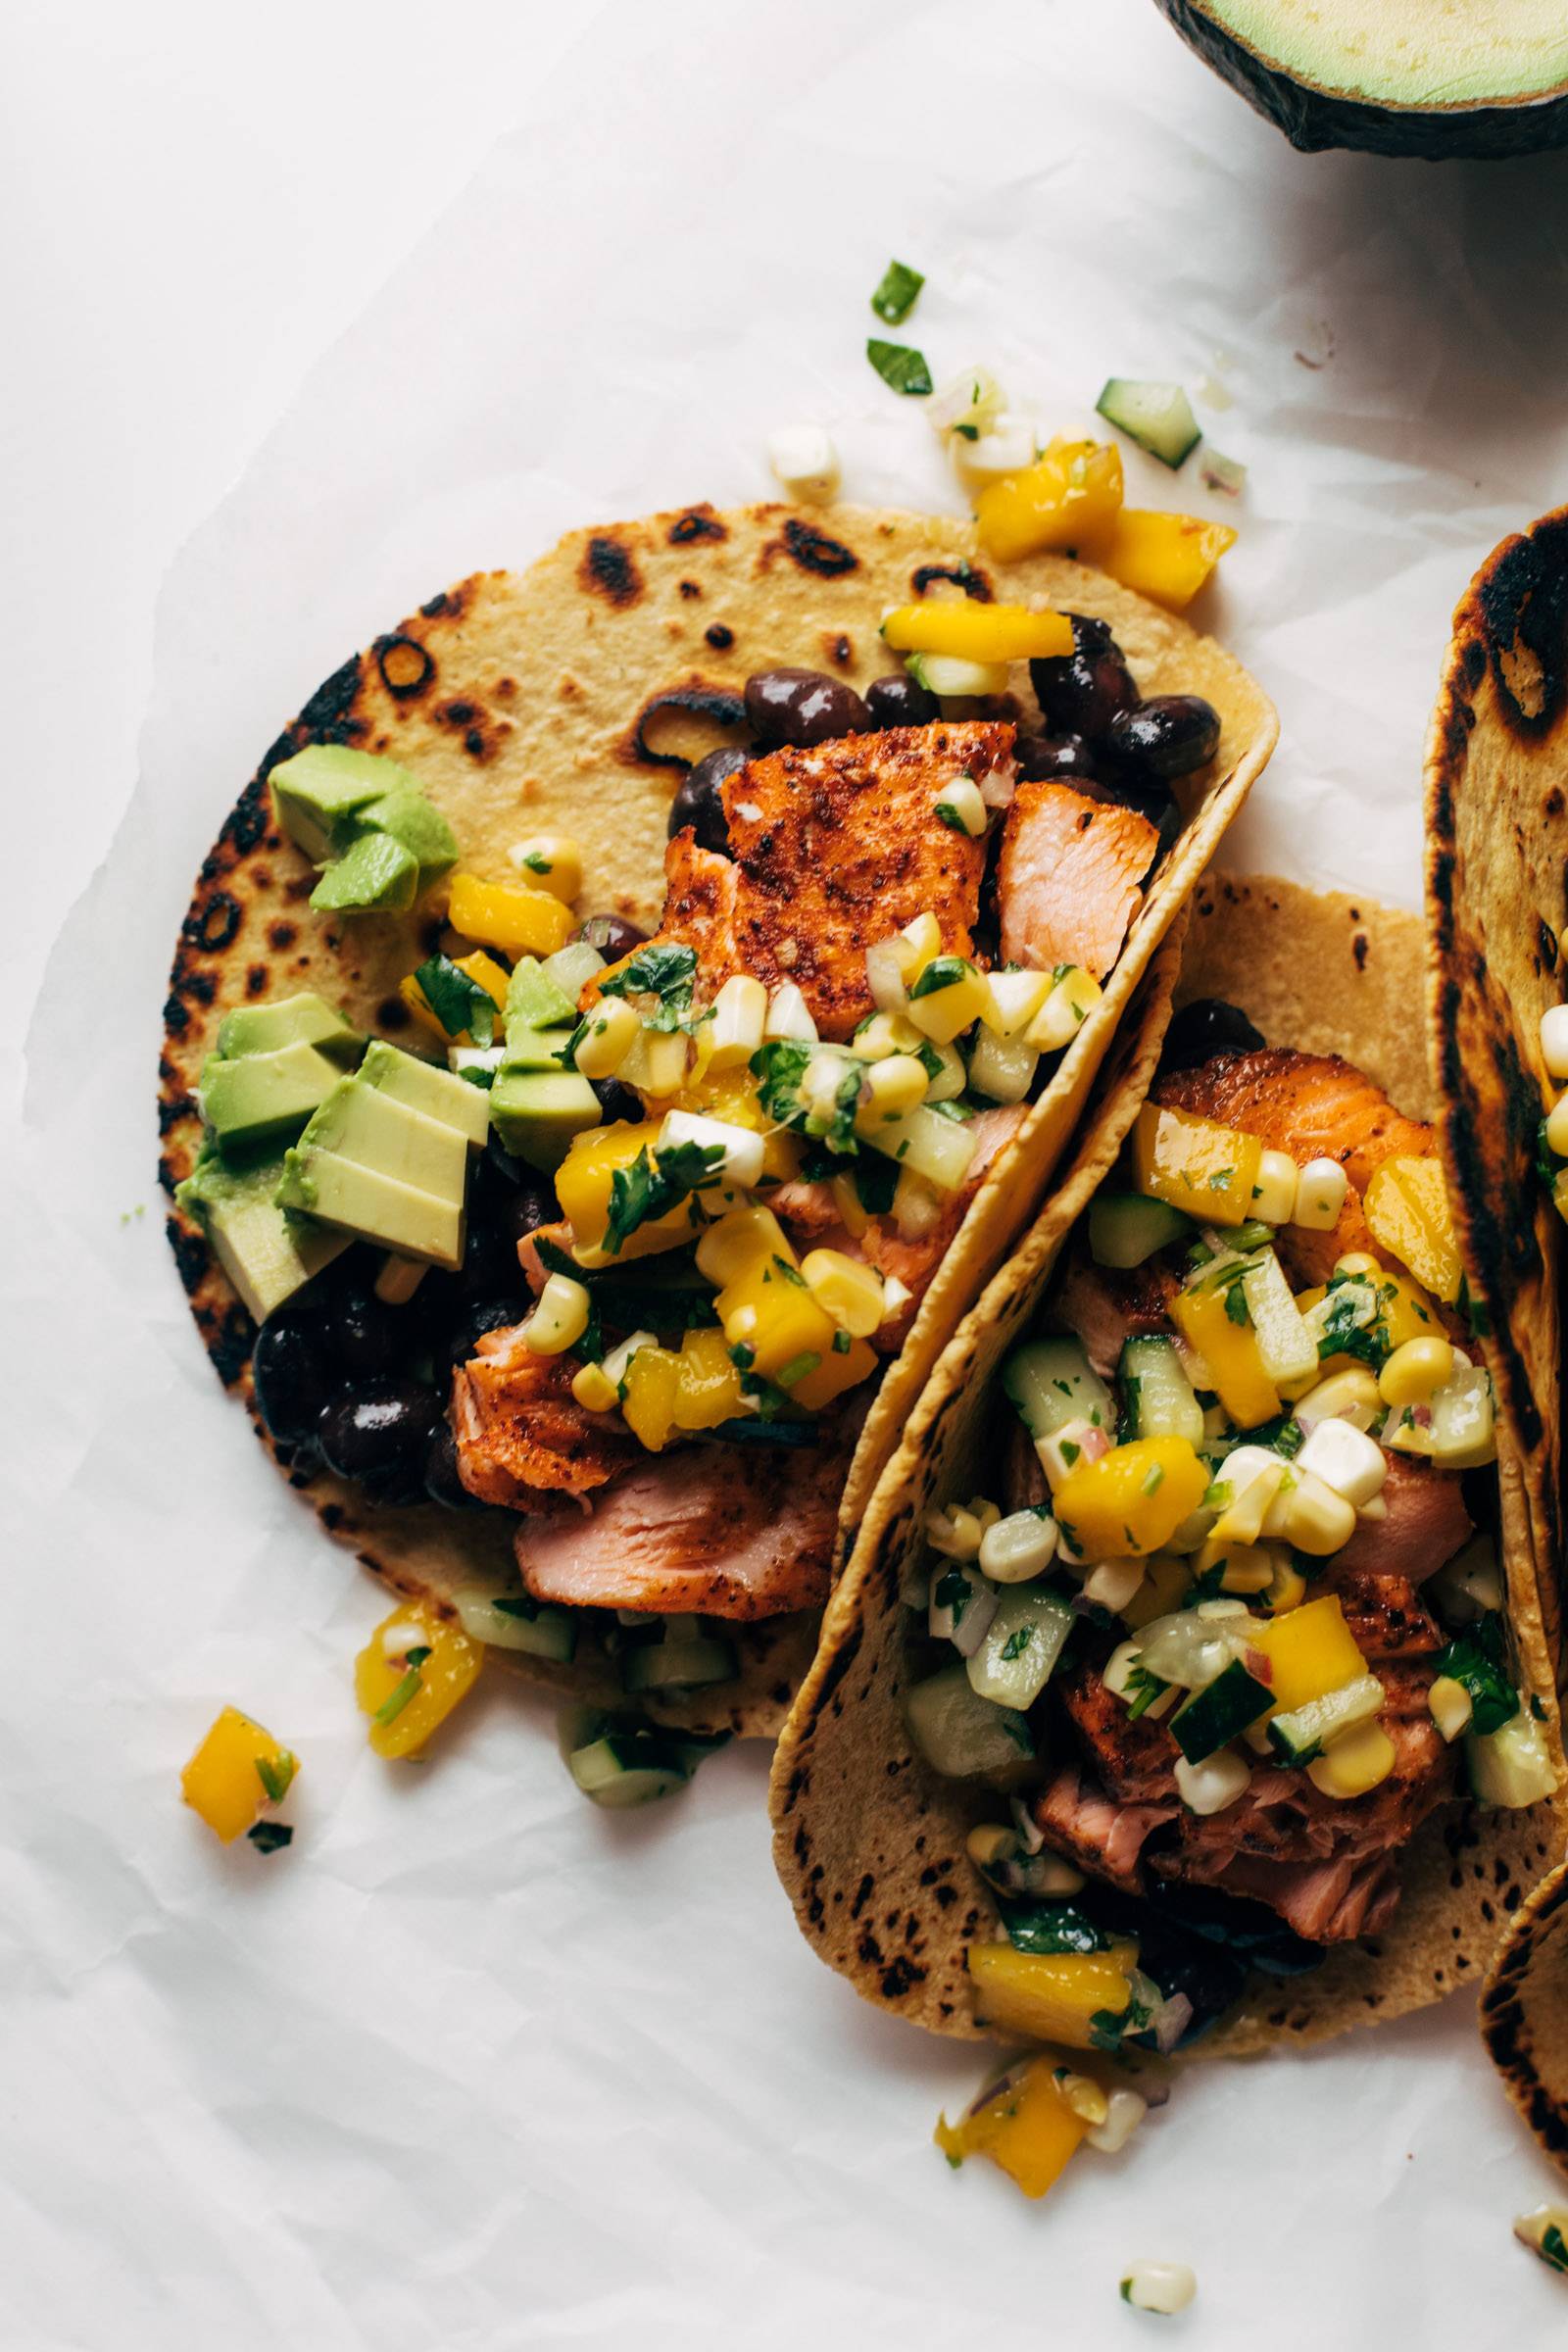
(1230, 1625)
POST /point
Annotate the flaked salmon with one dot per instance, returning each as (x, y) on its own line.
(727, 1530)
(521, 1436)
(1070, 877)
(1425, 1524)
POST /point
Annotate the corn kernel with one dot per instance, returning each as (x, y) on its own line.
(1347, 1459)
(849, 1206)
(1414, 1373)
(237, 1767)
(883, 1034)
(886, 975)
(1320, 1192)
(552, 862)
(850, 1291)
(1309, 1515)
(1015, 999)
(744, 1238)
(892, 1087)
(1356, 1762)
(789, 1015)
(740, 1016)
(1072, 999)
(1557, 1127)
(1274, 1191)
(594, 1388)
(1555, 1040)
(1243, 1567)
(961, 808)
(614, 1028)
(1350, 1395)
(1286, 1588)
(1452, 1707)
(561, 1317)
(922, 938)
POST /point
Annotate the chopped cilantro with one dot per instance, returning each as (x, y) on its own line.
(664, 968)
(1018, 1642)
(1050, 1928)
(1477, 1662)
(1553, 2249)
(456, 1000)
(947, 815)
(842, 1343)
(518, 1604)
(650, 1187)
(800, 1367)
(538, 864)
(1236, 1307)
(270, 1837)
(1071, 1451)
(1143, 1688)
(897, 293)
(1220, 1181)
(900, 367)
(789, 1273)
(953, 1592)
(943, 971)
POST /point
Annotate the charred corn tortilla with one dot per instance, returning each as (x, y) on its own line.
(869, 1844)
(567, 698)
(1496, 913)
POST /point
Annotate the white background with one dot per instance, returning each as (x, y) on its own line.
(474, 2066)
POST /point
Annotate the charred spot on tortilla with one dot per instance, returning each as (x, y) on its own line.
(702, 715)
(281, 935)
(838, 648)
(212, 927)
(812, 549)
(968, 576)
(719, 636)
(1524, 606)
(406, 665)
(392, 1015)
(607, 569)
(690, 589)
(698, 522)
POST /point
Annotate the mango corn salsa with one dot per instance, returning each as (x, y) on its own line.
(1408, 1211)
(500, 915)
(584, 1180)
(411, 1673)
(1196, 1166)
(237, 1769)
(732, 1096)
(1068, 497)
(767, 1308)
(1231, 1351)
(1132, 1499)
(652, 1385)
(978, 632)
(1311, 1651)
(1027, 2128)
(480, 967)
(1051, 1997)
(1165, 556)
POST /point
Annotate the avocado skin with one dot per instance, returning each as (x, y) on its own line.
(1314, 120)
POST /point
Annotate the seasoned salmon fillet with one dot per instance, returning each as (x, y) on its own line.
(1070, 877)
(739, 1531)
(833, 848)
(521, 1436)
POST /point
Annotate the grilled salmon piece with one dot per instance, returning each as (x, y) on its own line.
(1106, 1838)
(1426, 1524)
(727, 1531)
(521, 1436)
(1105, 1306)
(1386, 1617)
(1070, 877)
(832, 848)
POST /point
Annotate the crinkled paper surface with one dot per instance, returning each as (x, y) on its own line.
(473, 2065)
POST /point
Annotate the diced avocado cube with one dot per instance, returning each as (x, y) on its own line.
(318, 787)
(374, 1208)
(438, 1094)
(408, 818)
(537, 1112)
(534, 1049)
(265, 1098)
(537, 1001)
(375, 875)
(303, 1020)
(267, 1256)
(365, 1124)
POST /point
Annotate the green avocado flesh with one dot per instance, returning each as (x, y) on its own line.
(303, 1020)
(386, 1156)
(375, 875)
(366, 821)
(533, 998)
(266, 1254)
(1417, 54)
(265, 1098)
(435, 1093)
(326, 782)
(537, 1112)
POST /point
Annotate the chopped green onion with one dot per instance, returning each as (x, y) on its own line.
(275, 1777)
(270, 1837)
(899, 292)
(391, 1708)
(800, 1367)
(900, 367)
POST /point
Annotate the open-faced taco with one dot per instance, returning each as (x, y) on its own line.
(626, 1019)
(1189, 1678)
(1496, 915)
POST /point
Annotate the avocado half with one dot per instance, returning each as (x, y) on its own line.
(1420, 77)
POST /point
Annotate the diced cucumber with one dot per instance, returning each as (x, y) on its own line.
(1022, 1645)
(1285, 1347)
(572, 967)
(685, 1659)
(946, 675)
(1050, 1382)
(628, 1768)
(962, 1735)
(1221, 1713)
(1125, 1228)
(1157, 416)
(1159, 1397)
(1298, 1735)
(1512, 1765)
(517, 1621)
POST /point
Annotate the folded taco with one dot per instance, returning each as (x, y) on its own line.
(1189, 1676)
(629, 1015)
(1498, 914)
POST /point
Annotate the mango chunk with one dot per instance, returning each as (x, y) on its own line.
(499, 915)
(1165, 556)
(237, 1769)
(1051, 1997)
(1068, 496)
(1027, 2127)
(1311, 1650)
(1131, 1501)
(1407, 1211)
(414, 1670)
(1206, 1171)
(1230, 1350)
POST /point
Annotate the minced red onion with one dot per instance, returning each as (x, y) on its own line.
(998, 788)
(1170, 2023)
(1030, 1836)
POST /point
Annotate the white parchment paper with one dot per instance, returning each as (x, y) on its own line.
(472, 2065)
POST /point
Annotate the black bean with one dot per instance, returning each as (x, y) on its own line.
(1042, 758)
(378, 1434)
(802, 706)
(441, 1481)
(617, 1100)
(293, 1381)
(495, 1313)
(699, 802)
(489, 1260)
(612, 935)
(1167, 736)
(901, 701)
(1203, 1028)
(360, 1329)
(1080, 693)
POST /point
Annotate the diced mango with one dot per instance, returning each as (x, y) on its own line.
(743, 1239)
(731, 1096)
(1407, 1211)
(1166, 557)
(480, 967)
(500, 915)
(1051, 1997)
(586, 1176)
(237, 1767)
(1027, 2128)
(407, 1695)
(840, 1370)
(1204, 1169)
(1132, 1499)
(1068, 496)
(978, 632)
(709, 1389)
(1230, 1350)
(767, 1306)
(1311, 1650)
(653, 1388)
